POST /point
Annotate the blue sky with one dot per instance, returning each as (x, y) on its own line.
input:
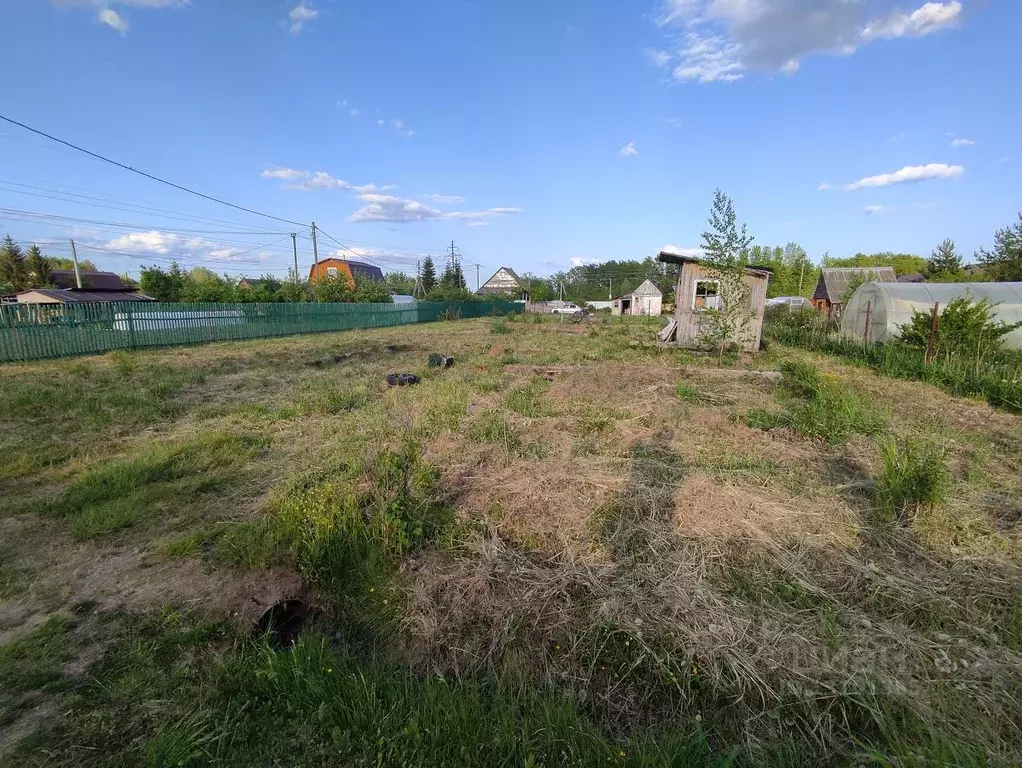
(533, 134)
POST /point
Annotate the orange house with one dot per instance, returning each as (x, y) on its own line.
(332, 267)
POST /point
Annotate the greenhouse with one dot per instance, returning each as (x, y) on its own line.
(888, 306)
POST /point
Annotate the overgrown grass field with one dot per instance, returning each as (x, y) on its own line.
(574, 547)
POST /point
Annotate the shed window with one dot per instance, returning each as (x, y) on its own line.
(331, 271)
(706, 295)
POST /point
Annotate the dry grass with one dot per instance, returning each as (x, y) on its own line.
(649, 554)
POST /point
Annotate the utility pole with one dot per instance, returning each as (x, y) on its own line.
(74, 258)
(477, 278)
(294, 246)
(315, 246)
(610, 290)
(418, 291)
(801, 274)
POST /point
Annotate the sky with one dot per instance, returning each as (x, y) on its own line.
(537, 135)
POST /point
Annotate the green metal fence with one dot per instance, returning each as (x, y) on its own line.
(36, 331)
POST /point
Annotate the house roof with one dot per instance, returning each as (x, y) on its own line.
(670, 257)
(917, 277)
(500, 285)
(834, 281)
(91, 281)
(646, 288)
(85, 297)
(358, 269)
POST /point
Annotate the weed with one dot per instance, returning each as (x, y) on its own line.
(914, 475)
(816, 406)
(499, 326)
(686, 392)
(527, 400)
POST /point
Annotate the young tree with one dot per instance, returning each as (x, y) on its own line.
(427, 275)
(965, 328)
(944, 262)
(1004, 262)
(41, 274)
(726, 251)
(163, 286)
(13, 270)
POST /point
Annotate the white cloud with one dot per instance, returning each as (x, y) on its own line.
(897, 137)
(317, 180)
(401, 130)
(824, 186)
(113, 19)
(872, 210)
(301, 16)
(353, 113)
(674, 122)
(381, 123)
(1003, 160)
(628, 150)
(478, 224)
(157, 243)
(581, 261)
(287, 174)
(399, 210)
(693, 253)
(922, 21)
(962, 142)
(910, 174)
(445, 198)
(719, 40)
(658, 58)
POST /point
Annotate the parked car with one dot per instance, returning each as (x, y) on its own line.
(567, 308)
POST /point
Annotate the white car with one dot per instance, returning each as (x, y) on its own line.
(567, 309)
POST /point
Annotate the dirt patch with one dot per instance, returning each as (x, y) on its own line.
(707, 507)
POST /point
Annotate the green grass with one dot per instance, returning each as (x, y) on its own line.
(115, 494)
(33, 660)
(528, 400)
(820, 407)
(914, 475)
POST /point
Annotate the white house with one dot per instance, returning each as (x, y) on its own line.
(644, 300)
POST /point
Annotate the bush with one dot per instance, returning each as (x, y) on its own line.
(964, 328)
(499, 326)
(914, 476)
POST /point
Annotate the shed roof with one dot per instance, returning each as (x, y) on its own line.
(670, 257)
(95, 281)
(834, 281)
(82, 297)
(646, 288)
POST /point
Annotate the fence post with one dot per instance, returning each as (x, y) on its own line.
(869, 310)
(933, 333)
(131, 324)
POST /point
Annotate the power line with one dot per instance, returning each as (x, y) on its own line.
(145, 174)
(124, 225)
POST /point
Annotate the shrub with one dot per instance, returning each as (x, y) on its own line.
(914, 476)
(499, 326)
(964, 328)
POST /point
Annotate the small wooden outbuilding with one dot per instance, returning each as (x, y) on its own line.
(698, 291)
(647, 299)
(834, 283)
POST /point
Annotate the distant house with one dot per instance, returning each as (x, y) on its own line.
(332, 267)
(504, 281)
(96, 287)
(917, 277)
(835, 281)
(697, 292)
(647, 299)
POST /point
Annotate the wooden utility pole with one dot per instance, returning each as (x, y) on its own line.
(933, 333)
(294, 247)
(315, 246)
(74, 258)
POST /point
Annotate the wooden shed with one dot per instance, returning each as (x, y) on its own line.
(647, 299)
(834, 283)
(698, 291)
